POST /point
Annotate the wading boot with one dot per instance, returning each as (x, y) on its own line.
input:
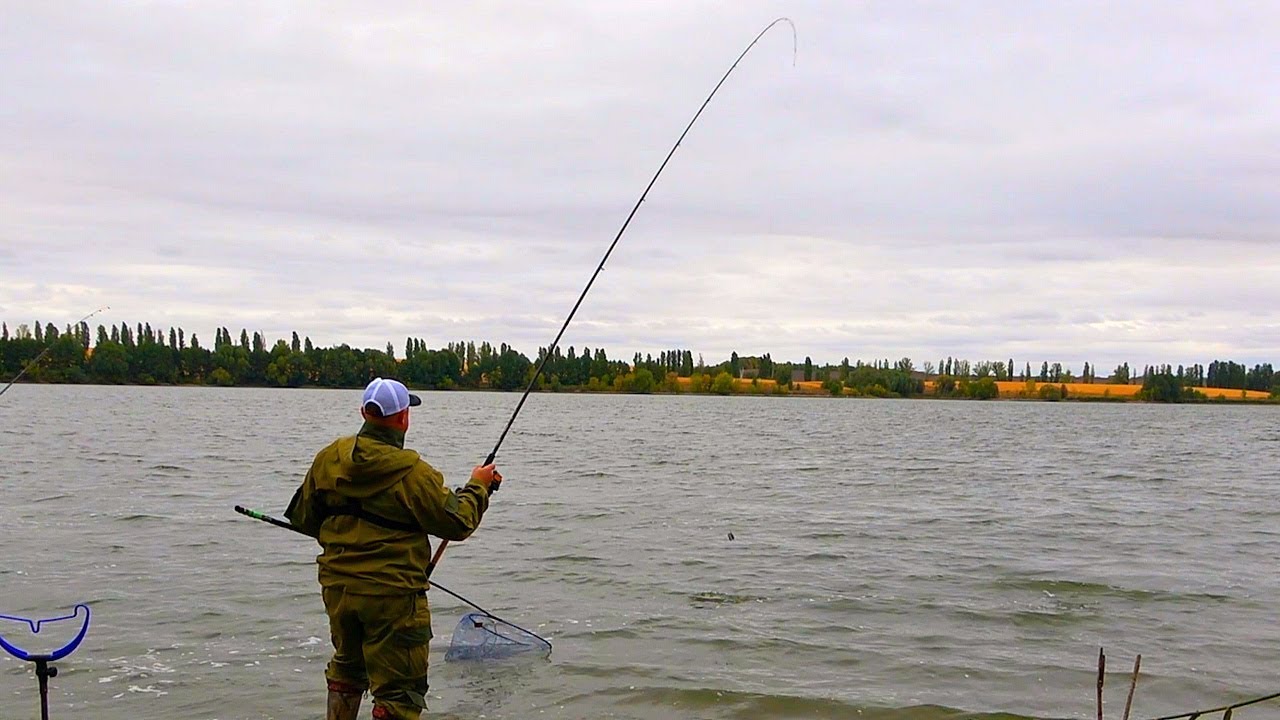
(344, 701)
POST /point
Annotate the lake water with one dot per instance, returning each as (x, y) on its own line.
(890, 559)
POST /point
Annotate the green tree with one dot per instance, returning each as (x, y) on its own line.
(233, 361)
(194, 362)
(1120, 375)
(509, 370)
(944, 386)
(66, 359)
(643, 382)
(723, 384)
(154, 364)
(1164, 386)
(983, 389)
(288, 369)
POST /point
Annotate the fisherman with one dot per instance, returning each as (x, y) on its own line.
(371, 505)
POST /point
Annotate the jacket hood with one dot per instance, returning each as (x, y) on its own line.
(363, 466)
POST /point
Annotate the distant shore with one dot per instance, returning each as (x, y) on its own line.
(1008, 390)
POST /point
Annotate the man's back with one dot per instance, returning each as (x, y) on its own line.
(371, 505)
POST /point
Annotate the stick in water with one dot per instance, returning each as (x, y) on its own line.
(1102, 675)
(1133, 685)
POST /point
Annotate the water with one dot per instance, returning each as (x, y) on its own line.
(890, 559)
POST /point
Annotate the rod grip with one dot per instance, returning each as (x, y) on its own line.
(496, 484)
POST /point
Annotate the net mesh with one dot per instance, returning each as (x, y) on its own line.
(484, 637)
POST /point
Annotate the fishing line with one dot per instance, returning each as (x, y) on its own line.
(39, 357)
(556, 342)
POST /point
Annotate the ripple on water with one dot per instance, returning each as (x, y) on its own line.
(717, 703)
(142, 518)
(1076, 589)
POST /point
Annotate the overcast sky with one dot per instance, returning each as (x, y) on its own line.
(1044, 181)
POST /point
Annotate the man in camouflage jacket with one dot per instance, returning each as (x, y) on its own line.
(371, 504)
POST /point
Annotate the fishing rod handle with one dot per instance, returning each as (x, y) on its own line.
(493, 486)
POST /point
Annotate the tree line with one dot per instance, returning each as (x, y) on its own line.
(140, 354)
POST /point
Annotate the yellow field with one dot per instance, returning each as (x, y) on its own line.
(739, 385)
(1014, 389)
(764, 386)
(1018, 388)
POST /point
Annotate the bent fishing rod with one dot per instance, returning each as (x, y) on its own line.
(556, 342)
(40, 357)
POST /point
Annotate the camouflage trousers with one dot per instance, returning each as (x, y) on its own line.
(380, 643)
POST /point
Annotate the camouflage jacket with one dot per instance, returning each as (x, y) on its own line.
(371, 504)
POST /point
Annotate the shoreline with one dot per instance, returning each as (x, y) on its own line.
(1077, 392)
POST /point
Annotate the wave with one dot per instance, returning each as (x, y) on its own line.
(572, 558)
(728, 704)
(719, 598)
(1085, 588)
(52, 497)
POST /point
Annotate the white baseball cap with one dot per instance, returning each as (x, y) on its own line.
(390, 397)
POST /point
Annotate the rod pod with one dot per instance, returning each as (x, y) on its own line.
(44, 670)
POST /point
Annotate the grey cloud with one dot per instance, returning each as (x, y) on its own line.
(983, 179)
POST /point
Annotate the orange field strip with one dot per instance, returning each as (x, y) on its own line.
(1015, 388)
(1008, 389)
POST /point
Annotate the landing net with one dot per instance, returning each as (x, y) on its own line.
(484, 637)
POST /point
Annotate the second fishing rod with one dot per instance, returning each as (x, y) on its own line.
(555, 343)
